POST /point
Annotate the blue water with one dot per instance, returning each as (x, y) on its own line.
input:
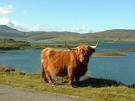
(117, 68)
(121, 68)
(24, 60)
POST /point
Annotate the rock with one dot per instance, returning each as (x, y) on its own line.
(6, 68)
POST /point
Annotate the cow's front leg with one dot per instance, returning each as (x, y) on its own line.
(77, 80)
(70, 76)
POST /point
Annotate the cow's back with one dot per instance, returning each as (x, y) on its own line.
(54, 54)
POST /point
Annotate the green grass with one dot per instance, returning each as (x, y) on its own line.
(7, 44)
(96, 89)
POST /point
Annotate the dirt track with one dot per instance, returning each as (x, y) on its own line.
(18, 94)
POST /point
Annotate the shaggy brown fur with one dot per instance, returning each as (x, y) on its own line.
(71, 63)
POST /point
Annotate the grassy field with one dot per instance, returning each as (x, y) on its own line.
(91, 88)
(7, 44)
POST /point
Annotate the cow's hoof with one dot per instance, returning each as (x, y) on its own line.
(73, 86)
(53, 85)
(46, 81)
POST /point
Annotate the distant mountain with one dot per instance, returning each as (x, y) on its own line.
(114, 34)
(49, 35)
(6, 28)
(8, 32)
(42, 36)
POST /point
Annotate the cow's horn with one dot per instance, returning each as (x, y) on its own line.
(96, 44)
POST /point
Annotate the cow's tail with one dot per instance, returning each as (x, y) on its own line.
(42, 70)
(42, 66)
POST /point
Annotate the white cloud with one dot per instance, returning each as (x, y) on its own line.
(80, 29)
(20, 26)
(37, 27)
(6, 10)
(4, 20)
(13, 24)
(9, 9)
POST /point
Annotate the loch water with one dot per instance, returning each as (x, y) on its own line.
(119, 68)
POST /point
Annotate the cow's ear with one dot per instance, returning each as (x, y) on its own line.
(91, 50)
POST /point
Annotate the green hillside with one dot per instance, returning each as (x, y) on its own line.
(60, 37)
(7, 32)
(6, 44)
(114, 35)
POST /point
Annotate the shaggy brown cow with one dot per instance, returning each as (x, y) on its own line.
(72, 63)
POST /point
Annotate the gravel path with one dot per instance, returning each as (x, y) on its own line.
(18, 94)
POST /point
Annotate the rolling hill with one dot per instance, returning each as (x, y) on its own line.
(48, 37)
(114, 34)
(8, 32)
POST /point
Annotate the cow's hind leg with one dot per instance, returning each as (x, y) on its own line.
(49, 78)
(43, 73)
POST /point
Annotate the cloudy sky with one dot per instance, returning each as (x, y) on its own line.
(68, 15)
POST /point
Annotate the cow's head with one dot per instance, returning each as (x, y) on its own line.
(85, 51)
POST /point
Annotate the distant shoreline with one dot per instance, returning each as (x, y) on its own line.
(116, 52)
(11, 44)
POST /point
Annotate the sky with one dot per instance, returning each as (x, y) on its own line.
(68, 15)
